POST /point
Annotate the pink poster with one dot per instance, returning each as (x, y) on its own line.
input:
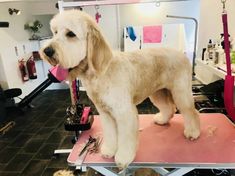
(152, 34)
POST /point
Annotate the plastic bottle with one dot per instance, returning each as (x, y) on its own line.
(219, 55)
(210, 51)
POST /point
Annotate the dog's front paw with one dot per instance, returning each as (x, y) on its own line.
(107, 152)
(122, 160)
(160, 119)
(192, 133)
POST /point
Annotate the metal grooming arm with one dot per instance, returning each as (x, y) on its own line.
(55, 75)
(195, 36)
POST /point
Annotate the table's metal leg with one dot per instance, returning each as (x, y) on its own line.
(104, 171)
(62, 151)
(179, 171)
(161, 170)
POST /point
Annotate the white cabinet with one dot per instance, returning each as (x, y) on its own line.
(208, 73)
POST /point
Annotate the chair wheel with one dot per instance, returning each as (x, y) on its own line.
(74, 139)
(55, 155)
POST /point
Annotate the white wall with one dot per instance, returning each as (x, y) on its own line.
(3, 79)
(45, 20)
(107, 23)
(43, 7)
(211, 25)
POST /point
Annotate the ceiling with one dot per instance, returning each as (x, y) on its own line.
(24, 0)
(69, 0)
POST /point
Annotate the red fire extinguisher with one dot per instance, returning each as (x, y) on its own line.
(23, 71)
(31, 68)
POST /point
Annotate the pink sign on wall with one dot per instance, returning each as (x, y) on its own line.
(152, 34)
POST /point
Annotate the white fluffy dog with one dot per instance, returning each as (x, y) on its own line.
(117, 81)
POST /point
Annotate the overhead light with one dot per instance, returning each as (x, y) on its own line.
(158, 3)
(11, 11)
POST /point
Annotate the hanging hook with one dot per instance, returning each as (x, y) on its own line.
(97, 15)
(97, 8)
(158, 3)
(224, 7)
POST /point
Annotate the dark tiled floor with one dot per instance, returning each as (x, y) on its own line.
(27, 149)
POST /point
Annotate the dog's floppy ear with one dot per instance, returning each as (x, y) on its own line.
(98, 51)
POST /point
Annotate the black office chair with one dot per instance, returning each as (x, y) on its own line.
(2, 106)
(7, 101)
(10, 94)
(213, 97)
(10, 104)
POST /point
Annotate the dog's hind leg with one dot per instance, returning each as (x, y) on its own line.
(182, 96)
(162, 99)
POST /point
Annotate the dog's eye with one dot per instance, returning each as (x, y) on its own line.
(70, 34)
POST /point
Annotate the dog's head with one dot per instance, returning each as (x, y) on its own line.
(76, 37)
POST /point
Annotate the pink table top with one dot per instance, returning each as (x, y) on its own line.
(166, 146)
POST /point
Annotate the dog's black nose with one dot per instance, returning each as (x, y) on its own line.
(49, 51)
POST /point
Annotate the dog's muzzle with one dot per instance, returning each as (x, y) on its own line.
(49, 51)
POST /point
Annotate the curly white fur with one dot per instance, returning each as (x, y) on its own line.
(117, 81)
(63, 173)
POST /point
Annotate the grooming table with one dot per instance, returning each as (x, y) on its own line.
(166, 147)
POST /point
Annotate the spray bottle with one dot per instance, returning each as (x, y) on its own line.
(210, 52)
